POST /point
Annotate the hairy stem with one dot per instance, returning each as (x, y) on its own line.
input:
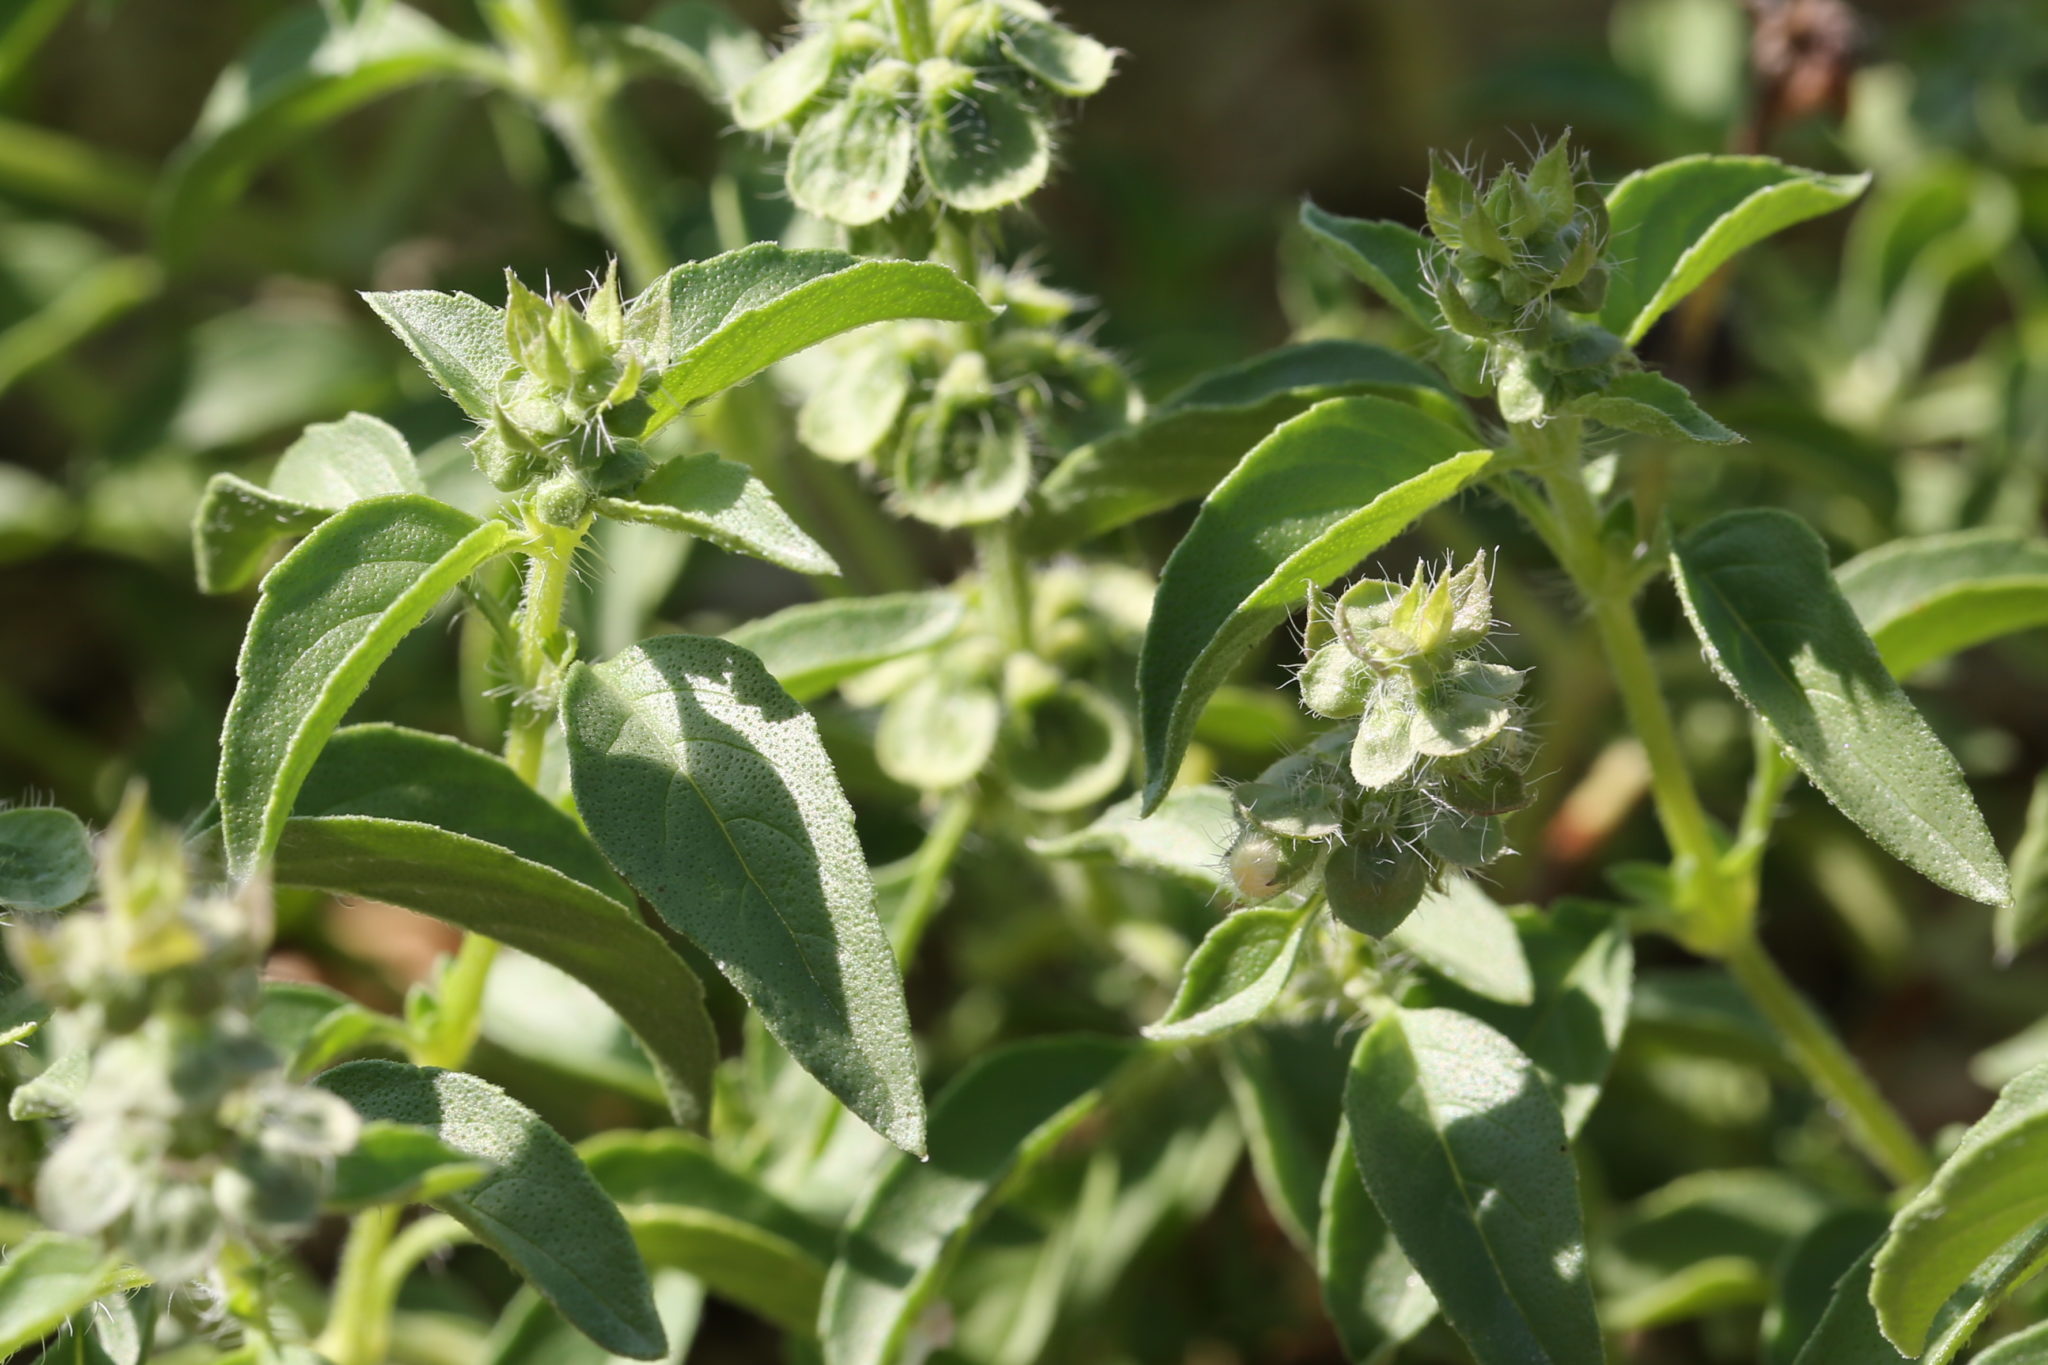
(1870, 1120)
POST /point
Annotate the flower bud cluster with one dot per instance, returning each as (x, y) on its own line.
(967, 106)
(1517, 260)
(185, 1132)
(956, 421)
(1385, 808)
(549, 430)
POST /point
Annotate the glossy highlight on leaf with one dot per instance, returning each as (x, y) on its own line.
(1307, 504)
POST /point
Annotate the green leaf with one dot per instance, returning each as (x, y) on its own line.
(1465, 1156)
(1187, 837)
(1066, 750)
(1386, 257)
(234, 527)
(1757, 588)
(45, 859)
(531, 1332)
(1286, 1081)
(1374, 1298)
(458, 340)
(851, 163)
(308, 69)
(1705, 1242)
(2025, 920)
(445, 830)
(331, 466)
(682, 1170)
(1462, 935)
(1653, 405)
(1003, 1113)
(1927, 597)
(2028, 1346)
(314, 1027)
(1189, 442)
(330, 613)
(1235, 975)
(722, 502)
(1992, 1190)
(813, 646)
(538, 1207)
(1071, 63)
(44, 1280)
(707, 325)
(938, 733)
(1806, 1276)
(1849, 1333)
(395, 1163)
(699, 43)
(980, 146)
(1323, 491)
(1674, 225)
(707, 786)
(1581, 965)
(787, 82)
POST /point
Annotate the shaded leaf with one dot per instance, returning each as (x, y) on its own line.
(2025, 920)
(1386, 257)
(1323, 491)
(813, 646)
(1374, 1298)
(1003, 1113)
(707, 786)
(45, 1279)
(1756, 585)
(394, 1163)
(538, 1207)
(1651, 404)
(45, 859)
(1287, 1083)
(1465, 1156)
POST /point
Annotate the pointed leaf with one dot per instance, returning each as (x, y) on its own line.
(1189, 442)
(1757, 588)
(707, 325)
(1235, 974)
(45, 859)
(1651, 404)
(1807, 1274)
(1674, 225)
(722, 502)
(1848, 1332)
(812, 646)
(1187, 837)
(707, 786)
(1310, 501)
(1465, 1156)
(458, 340)
(1927, 597)
(1386, 257)
(538, 1206)
(997, 1118)
(1374, 1298)
(531, 1332)
(330, 614)
(2025, 920)
(308, 69)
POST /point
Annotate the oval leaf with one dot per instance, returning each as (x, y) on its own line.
(1235, 975)
(1187, 837)
(45, 859)
(1757, 587)
(1676, 224)
(44, 1280)
(331, 612)
(707, 786)
(722, 502)
(812, 646)
(537, 1207)
(1386, 257)
(1465, 1156)
(1189, 442)
(1310, 501)
(1927, 597)
(707, 325)
(998, 1117)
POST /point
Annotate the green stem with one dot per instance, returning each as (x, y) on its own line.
(928, 878)
(1006, 584)
(358, 1330)
(534, 668)
(599, 145)
(1871, 1121)
(913, 21)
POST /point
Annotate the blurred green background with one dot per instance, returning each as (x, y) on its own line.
(1889, 366)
